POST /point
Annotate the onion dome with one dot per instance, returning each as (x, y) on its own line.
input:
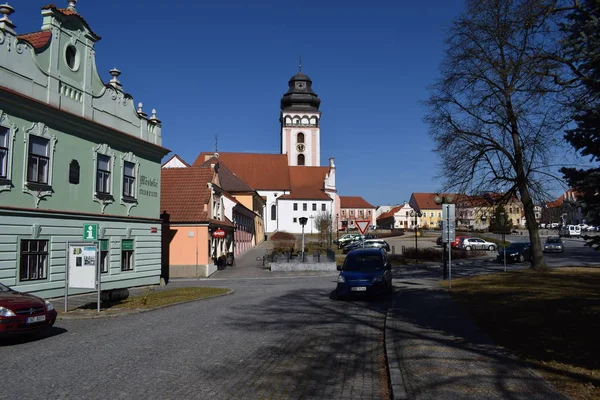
(300, 96)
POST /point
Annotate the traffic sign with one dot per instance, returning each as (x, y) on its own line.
(362, 225)
(90, 231)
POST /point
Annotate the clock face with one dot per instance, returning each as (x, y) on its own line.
(300, 147)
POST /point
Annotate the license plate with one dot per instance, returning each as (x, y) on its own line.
(359, 289)
(33, 320)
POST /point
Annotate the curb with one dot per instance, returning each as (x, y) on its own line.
(137, 310)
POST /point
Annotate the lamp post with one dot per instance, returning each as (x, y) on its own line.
(417, 214)
(502, 224)
(312, 222)
(337, 228)
(302, 222)
(446, 203)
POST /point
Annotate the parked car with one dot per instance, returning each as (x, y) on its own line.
(365, 271)
(349, 238)
(515, 252)
(22, 313)
(570, 231)
(553, 244)
(458, 241)
(352, 246)
(477, 244)
(379, 243)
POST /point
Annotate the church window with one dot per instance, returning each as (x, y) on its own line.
(300, 138)
(295, 219)
(324, 208)
(273, 212)
(304, 207)
(300, 159)
(295, 206)
(314, 207)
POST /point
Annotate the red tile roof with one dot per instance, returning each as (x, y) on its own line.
(68, 13)
(38, 40)
(307, 183)
(260, 171)
(424, 201)
(569, 195)
(354, 202)
(229, 181)
(390, 213)
(184, 193)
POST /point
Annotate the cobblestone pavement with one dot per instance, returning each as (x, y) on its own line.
(271, 339)
(436, 352)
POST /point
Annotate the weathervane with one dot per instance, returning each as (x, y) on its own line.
(216, 143)
(300, 64)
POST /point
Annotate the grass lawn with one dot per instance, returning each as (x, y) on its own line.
(151, 299)
(552, 320)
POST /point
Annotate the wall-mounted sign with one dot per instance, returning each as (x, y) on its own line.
(219, 233)
(153, 229)
(90, 231)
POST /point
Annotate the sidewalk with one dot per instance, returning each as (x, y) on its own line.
(436, 352)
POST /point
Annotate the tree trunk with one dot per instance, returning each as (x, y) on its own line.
(537, 256)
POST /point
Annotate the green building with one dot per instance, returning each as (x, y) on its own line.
(73, 151)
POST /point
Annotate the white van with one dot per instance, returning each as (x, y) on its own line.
(570, 231)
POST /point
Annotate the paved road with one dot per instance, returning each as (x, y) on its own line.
(273, 338)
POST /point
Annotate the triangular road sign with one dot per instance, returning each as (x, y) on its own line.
(362, 226)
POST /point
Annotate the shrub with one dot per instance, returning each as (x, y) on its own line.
(283, 235)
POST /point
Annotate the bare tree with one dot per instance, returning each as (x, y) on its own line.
(324, 225)
(495, 113)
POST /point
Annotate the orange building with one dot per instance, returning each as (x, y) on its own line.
(354, 208)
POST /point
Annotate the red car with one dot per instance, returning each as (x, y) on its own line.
(22, 313)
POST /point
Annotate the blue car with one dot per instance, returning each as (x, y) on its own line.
(365, 272)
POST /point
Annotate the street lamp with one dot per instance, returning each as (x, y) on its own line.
(417, 214)
(303, 222)
(445, 202)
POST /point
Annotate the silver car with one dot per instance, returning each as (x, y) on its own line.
(553, 244)
(478, 244)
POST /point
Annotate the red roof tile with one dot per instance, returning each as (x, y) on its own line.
(390, 213)
(354, 202)
(184, 193)
(424, 201)
(260, 171)
(307, 183)
(68, 13)
(38, 40)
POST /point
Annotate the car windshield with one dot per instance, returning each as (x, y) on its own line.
(553, 240)
(4, 288)
(363, 262)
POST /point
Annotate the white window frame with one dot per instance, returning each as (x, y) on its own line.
(103, 199)
(130, 202)
(44, 256)
(6, 182)
(38, 191)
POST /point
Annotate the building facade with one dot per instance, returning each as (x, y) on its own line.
(73, 151)
(353, 208)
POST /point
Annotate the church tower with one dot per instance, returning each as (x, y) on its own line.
(300, 120)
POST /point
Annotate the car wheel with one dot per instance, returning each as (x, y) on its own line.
(468, 248)
(492, 248)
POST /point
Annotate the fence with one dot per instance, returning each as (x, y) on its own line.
(307, 257)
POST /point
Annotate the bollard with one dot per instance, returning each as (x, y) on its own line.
(393, 250)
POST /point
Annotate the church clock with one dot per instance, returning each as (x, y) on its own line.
(300, 147)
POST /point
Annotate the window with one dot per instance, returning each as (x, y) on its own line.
(295, 219)
(4, 152)
(127, 255)
(361, 212)
(300, 159)
(324, 208)
(104, 256)
(351, 212)
(273, 212)
(34, 260)
(74, 172)
(369, 212)
(343, 212)
(314, 207)
(295, 206)
(439, 215)
(300, 138)
(304, 207)
(430, 215)
(129, 180)
(39, 160)
(103, 174)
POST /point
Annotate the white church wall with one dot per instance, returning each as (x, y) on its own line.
(289, 218)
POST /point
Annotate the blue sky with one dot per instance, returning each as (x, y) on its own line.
(220, 68)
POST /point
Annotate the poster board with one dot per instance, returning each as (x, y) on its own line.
(82, 265)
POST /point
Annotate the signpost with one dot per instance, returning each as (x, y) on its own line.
(449, 233)
(362, 226)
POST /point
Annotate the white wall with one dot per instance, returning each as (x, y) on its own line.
(287, 215)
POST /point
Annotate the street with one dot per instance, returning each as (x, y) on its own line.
(272, 338)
